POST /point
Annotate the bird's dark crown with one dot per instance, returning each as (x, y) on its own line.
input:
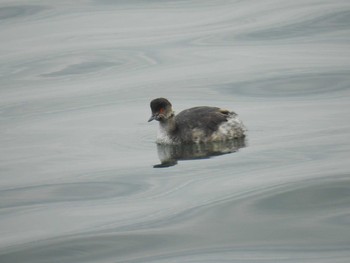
(160, 103)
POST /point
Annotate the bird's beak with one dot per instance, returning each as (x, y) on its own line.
(153, 117)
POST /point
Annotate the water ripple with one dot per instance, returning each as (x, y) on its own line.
(119, 62)
(294, 85)
(68, 192)
(306, 29)
(322, 196)
(20, 11)
(80, 68)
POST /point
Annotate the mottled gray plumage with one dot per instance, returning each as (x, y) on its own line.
(206, 119)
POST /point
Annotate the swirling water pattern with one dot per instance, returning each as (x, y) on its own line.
(77, 182)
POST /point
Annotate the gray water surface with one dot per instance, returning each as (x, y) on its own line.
(77, 182)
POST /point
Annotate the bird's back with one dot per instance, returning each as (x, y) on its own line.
(207, 118)
(200, 123)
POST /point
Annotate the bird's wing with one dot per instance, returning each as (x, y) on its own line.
(205, 118)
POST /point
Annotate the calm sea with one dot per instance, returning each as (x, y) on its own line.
(79, 176)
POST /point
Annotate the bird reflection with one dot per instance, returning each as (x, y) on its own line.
(169, 155)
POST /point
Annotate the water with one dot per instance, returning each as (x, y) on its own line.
(77, 154)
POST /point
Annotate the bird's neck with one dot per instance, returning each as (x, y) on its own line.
(168, 125)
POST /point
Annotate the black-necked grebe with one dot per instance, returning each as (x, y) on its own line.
(195, 125)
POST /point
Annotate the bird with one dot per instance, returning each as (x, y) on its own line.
(201, 124)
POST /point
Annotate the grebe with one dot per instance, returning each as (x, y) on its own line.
(195, 125)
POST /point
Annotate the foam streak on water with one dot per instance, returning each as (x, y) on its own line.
(77, 182)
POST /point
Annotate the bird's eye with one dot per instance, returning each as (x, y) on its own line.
(161, 110)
